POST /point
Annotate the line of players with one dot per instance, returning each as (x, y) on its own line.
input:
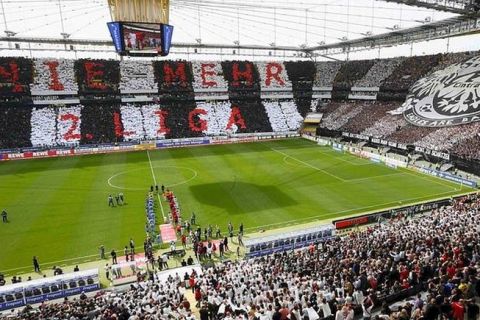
(119, 200)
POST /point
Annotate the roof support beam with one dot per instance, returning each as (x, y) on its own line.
(455, 6)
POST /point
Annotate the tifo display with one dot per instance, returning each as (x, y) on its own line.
(67, 103)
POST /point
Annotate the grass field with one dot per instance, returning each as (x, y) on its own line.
(58, 207)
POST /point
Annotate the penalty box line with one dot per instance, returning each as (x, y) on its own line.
(309, 165)
(155, 182)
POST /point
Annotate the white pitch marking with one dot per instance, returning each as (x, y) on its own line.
(109, 181)
(308, 165)
(401, 202)
(72, 259)
(155, 181)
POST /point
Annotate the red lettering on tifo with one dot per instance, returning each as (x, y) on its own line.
(55, 83)
(195, 122)
(95, 74)
(177, 75)
(70, 134)
(117, 121)
(236, 118)
(162, 124)
(207, 71)
(240, 76)
(273, 71)
(11, 75)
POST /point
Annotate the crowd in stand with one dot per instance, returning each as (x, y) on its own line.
(371, 113)
(72, 125)
(341, 115)
(137, 75)
(374, 119)
(438, 252)
(50, 126)
(64, 75)
(283, 115)
(452, 58)
(43, 123)
(97, 123)
(409, 71)
(385, 126)
(56, 126)
(447, 137)
(351, 72)
(145, 300)
(14, 126)
(326, 72)
(380, 70)
(469, 148)
(410, 134)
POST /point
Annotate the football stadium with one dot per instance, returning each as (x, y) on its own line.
(217, 159)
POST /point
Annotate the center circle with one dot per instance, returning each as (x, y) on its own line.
(140, 181)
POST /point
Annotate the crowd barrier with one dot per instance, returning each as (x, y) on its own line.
(377, 216)
(262, 246)
(40, 290)
(148, 145)
(447, 176)
(395, 163)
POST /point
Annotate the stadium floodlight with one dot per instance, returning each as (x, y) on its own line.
(10, 33)
(395, 27)
(65, 35)
(236, 42)
(198, 40)
(426, 20)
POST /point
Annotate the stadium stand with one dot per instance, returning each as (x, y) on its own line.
(445, 139)
(438, 251)
(342, 114)
(370, 115)
(469, 148)
(326, 73)
(385, 126)
(410, 70)
(109, 101)
(407, 261)
(380, 70)
(410, 134)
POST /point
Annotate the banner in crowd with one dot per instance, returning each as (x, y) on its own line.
(438, 154)
(175, 143)
(387, 214)
(379, 141)
(261, 246)
(146, 145)
(323, 142)
(309, 137)
(337, 146)
(45, 289)
(447, 176)
(446, 97)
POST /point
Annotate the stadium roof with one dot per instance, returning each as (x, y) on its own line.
(264, 27)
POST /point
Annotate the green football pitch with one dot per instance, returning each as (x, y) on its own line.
(58, 207)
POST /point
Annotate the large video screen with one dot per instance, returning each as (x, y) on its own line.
(141, 39)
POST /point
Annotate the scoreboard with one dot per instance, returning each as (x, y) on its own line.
(141, 38)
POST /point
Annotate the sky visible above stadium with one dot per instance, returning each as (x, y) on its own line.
(247, 22)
